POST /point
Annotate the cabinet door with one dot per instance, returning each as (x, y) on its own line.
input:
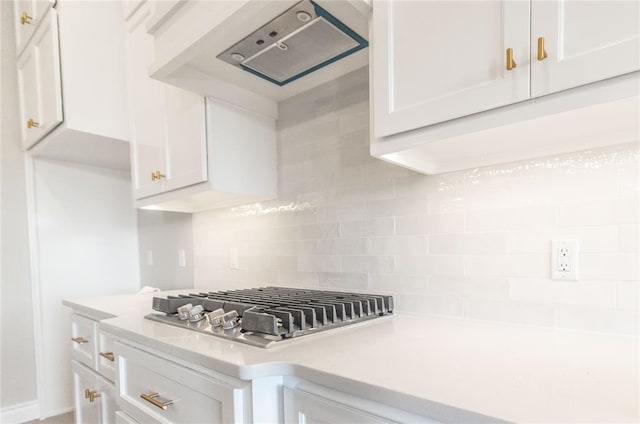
(186, 139)
(28, 14)
(108, 395)
(438, 60)
(87, 409)
(147, 111)
(585, 41)
(39, 83)
(304, 408)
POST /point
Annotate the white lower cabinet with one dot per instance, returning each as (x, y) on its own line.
(155, 390)
(305, 408)
(93, 397)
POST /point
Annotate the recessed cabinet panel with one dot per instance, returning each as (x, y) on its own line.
(39, 83)
(304, 408)
(85, 388)
(438, 60)
(583, 41)
(83, 340)
(187, 138)
(28, 14)
(147, 107)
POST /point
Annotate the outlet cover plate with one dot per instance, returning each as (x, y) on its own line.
(564, 260)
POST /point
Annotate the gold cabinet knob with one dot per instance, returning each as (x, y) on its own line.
(25, 18)
(91, 394)
(32, 124)
(80, 340)
(155, 176)
(542, 53)
(510, 62)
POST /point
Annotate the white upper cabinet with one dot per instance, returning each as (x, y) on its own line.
(458, 85)
(39, 83)
(188, 154)
(439, 60)
(28, 15)
(168, 124)
(72, 86)
(584, 41)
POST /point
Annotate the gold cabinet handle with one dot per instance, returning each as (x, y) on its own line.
(154, 399)
(108, 356)
(153, 176)
(80, 340)
(25, 18)
(32, 124)
(91, 394)
(510, 62)
(542, 53)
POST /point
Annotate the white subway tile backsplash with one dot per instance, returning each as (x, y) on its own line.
(628, 295)
(629, 238)
(323, 263)
(344, 246)
(610, 266)
(398, 283)
(510, 311)
(533, 217)
(467, 243)
(370, 227)
(472, 244)
(591, 293)
(430, 224)
(342, 280)
(398, 245)
(495, 288)
(368, 264)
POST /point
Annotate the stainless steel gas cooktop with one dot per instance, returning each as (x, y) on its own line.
(266, 315)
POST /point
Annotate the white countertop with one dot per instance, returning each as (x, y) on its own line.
(513, 373)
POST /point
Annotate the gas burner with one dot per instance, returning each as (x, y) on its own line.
(266, 315)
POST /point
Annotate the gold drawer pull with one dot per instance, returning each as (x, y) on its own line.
(510, 62)
(159, 402)
(80, 340)
(32, 124)
(91, 394)
(542, 53)
(108, 355)
(25, 18)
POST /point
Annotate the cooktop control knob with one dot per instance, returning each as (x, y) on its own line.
(230, 320)
(196, 313)
(215, 318)
(183, 311)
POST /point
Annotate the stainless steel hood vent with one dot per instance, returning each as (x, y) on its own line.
(303, 39)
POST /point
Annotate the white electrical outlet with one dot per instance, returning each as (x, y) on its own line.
(564, 260)
(233, 258)
(149, 257)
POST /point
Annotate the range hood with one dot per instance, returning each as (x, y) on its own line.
(256, 53)
(302, 40)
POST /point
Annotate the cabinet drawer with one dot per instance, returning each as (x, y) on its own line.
(122, 418)
(83, 340)
(106, 357)
(154, 390)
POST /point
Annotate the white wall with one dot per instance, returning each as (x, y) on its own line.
(472, 245)
(17, 360)
(87, 246)
(164, 234)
